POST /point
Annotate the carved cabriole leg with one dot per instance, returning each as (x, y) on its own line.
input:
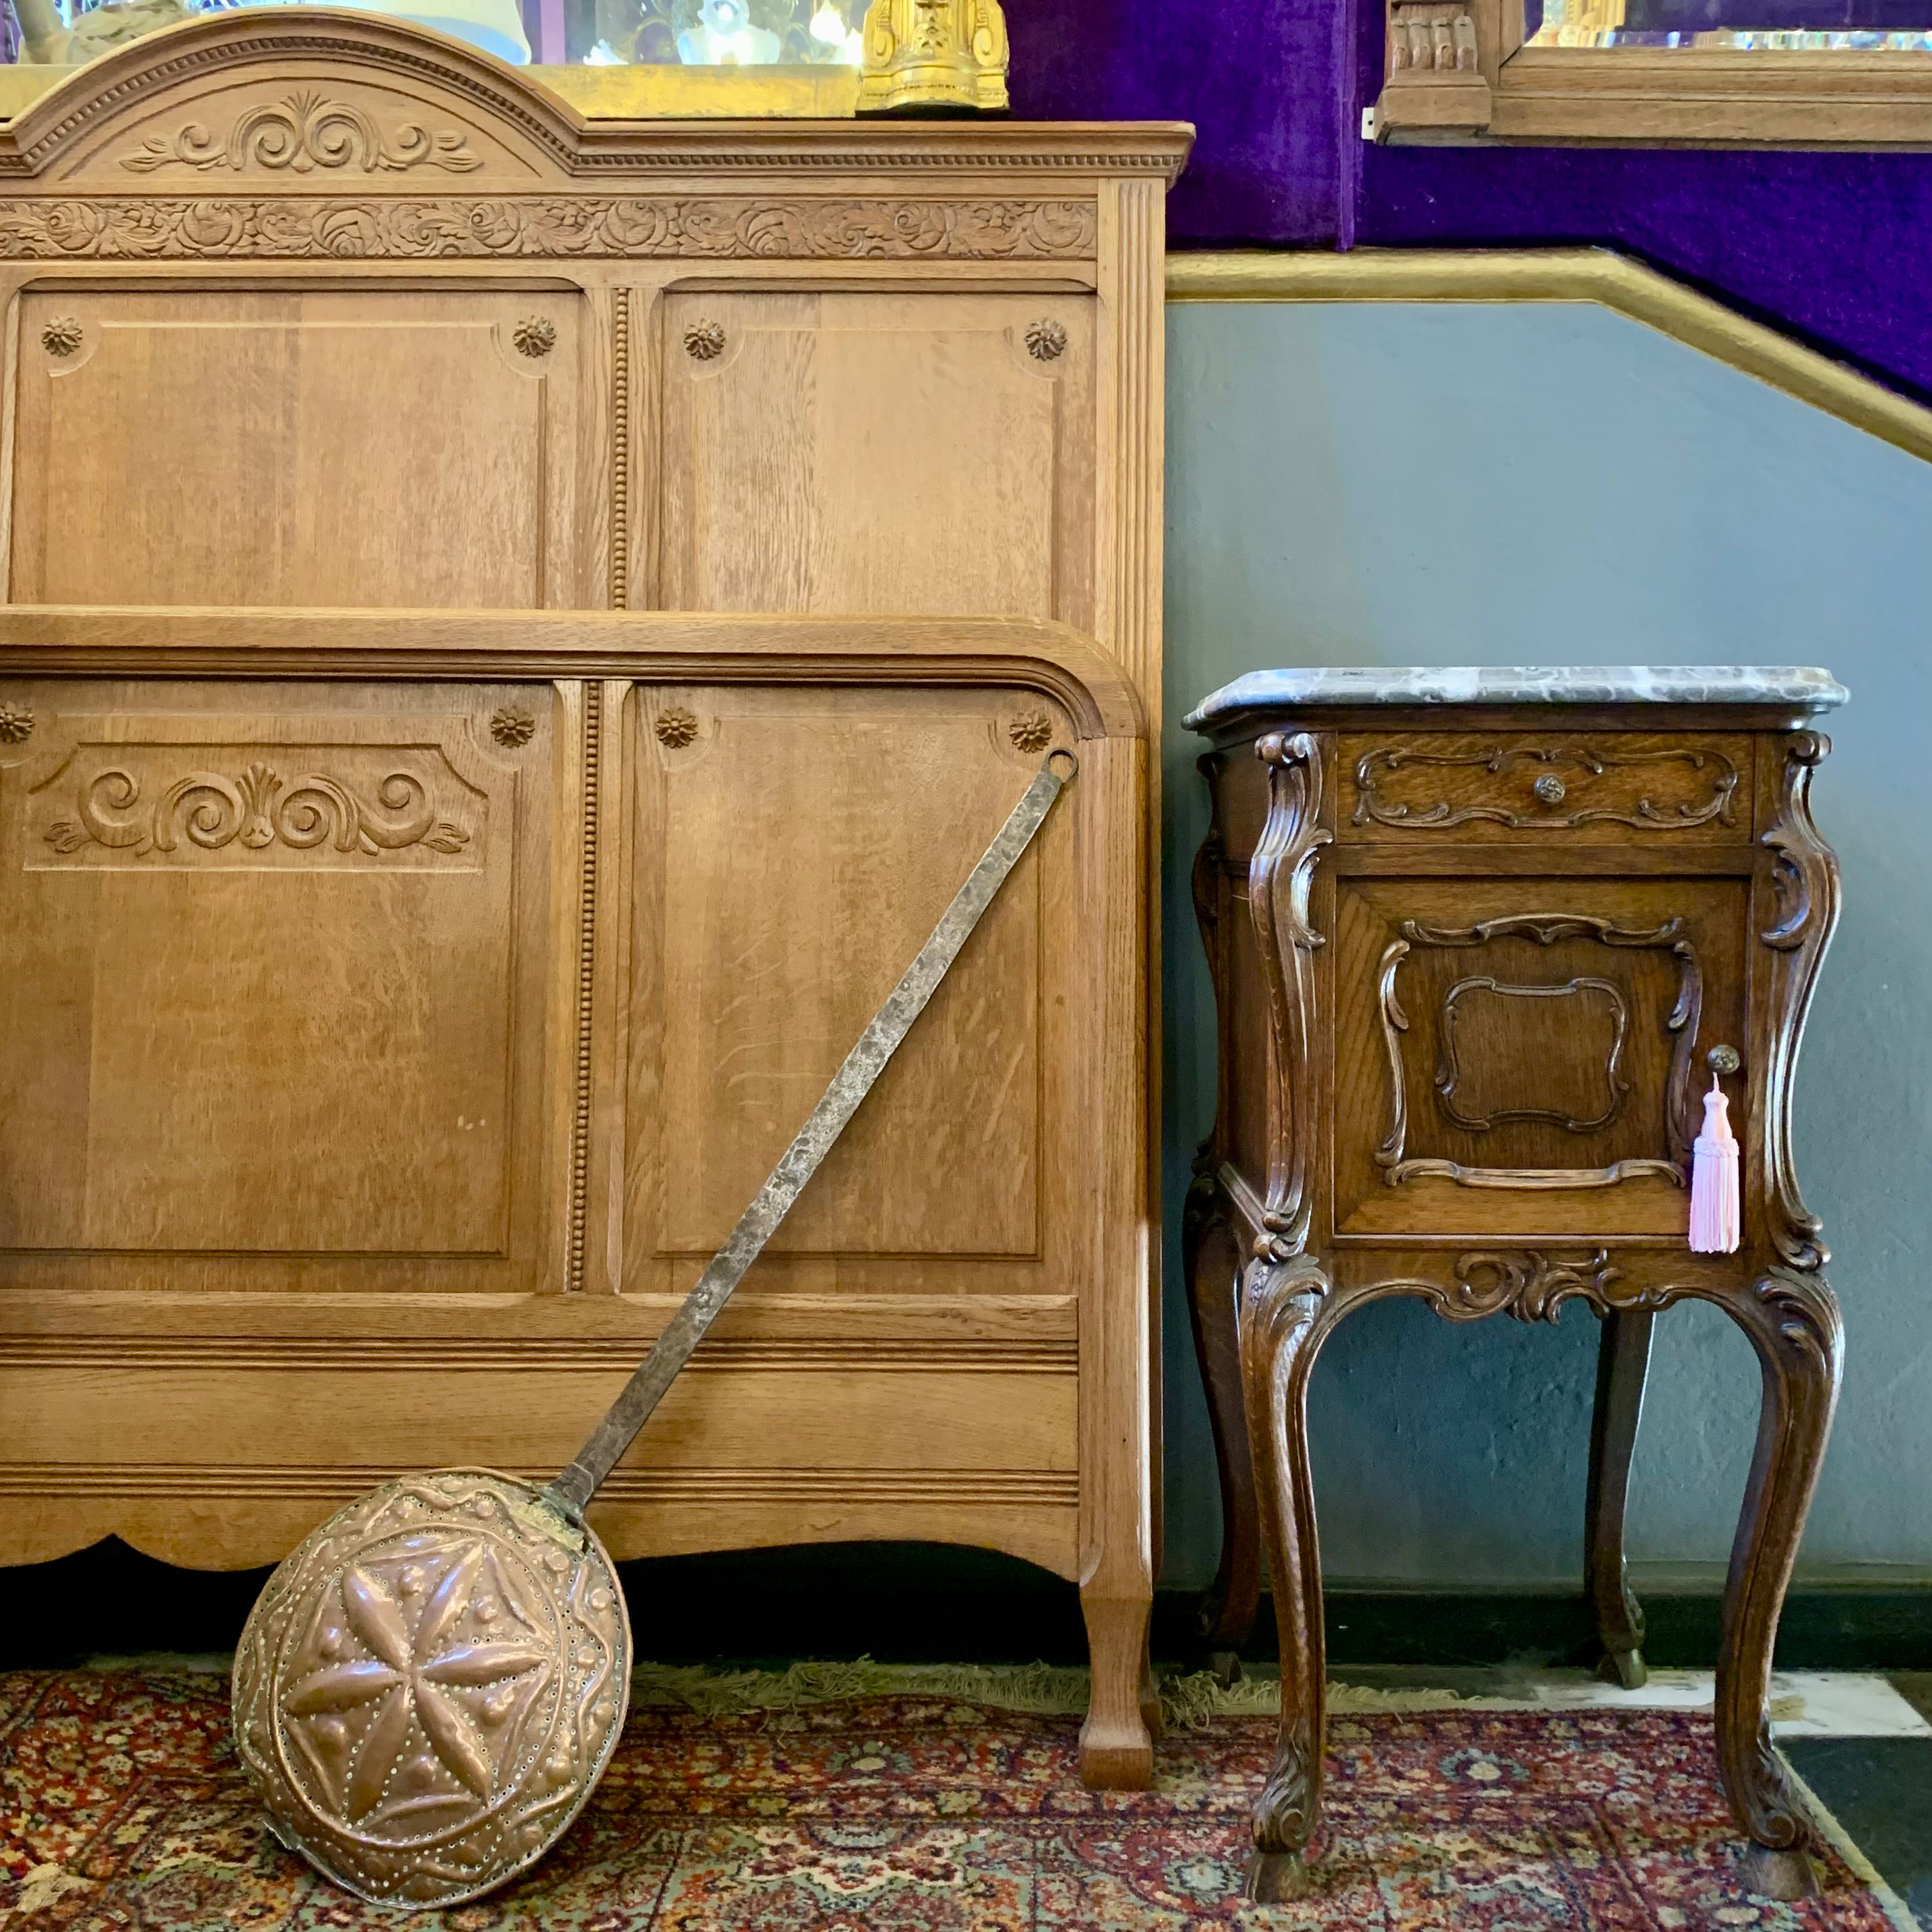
(1212, 1253)
(1792, 1319)
(1287, 1302)
(1623, 1360)
(1793, 1322)
(1287, 1310)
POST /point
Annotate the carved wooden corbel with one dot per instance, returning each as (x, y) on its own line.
(1442, 58)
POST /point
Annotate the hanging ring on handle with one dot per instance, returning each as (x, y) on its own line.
(1072, 764)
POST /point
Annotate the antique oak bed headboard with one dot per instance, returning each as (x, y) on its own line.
(396, 1009)
(398, 1002)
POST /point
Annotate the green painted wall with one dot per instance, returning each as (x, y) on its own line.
(1412, 483)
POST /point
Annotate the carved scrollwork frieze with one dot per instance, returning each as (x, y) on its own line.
(207, 811)
(583, 227)
(1542, 766)
(302, 133)
(1803, 887)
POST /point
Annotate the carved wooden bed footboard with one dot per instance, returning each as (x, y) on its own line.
(397, 1009)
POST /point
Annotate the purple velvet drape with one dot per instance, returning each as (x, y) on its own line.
(1834, 248)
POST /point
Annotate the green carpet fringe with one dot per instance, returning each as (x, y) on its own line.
(1190, 1701)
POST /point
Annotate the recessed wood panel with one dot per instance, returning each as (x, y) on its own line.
(1523, 1055)
(751, 1428)
(407, 447)
(792, 853)
(890, 453)
(267, 985)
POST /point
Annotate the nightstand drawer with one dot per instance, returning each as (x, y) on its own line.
(1564, 786)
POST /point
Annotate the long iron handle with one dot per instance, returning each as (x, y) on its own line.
(572, 1490)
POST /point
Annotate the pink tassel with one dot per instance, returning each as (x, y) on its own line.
(1714, 1179)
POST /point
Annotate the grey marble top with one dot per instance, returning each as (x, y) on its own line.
(1800, 687)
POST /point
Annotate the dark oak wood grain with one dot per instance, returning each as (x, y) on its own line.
(1464, 1019)
(1623, 1362)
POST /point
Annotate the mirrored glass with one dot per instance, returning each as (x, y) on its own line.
(714, 34)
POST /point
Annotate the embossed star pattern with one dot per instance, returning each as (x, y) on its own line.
(413, 1676)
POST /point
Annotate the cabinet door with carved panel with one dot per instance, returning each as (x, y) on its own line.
(890, 453)
(414, 447)
(274, 1010)
(1520, 1055)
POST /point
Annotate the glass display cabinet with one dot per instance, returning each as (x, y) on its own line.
(815, 59)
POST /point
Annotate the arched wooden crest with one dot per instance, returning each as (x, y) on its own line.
(296, 98)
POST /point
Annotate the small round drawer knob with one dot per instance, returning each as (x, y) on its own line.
(1723, 1060)
(1549, 788)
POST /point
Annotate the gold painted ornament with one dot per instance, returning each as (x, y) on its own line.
(430, 1686)
(934, 55)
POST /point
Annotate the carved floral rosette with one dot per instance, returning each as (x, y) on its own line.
(430, 1686)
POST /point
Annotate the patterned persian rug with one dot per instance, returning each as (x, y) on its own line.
(122, 1807)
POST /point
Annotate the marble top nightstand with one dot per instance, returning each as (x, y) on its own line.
(1480, 939)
